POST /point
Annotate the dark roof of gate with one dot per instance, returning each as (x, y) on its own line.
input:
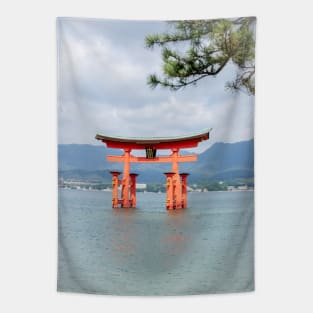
(203, 135)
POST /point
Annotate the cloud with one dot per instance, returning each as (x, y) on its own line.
(103, 67)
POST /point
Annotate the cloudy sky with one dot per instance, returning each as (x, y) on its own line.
(103, 67)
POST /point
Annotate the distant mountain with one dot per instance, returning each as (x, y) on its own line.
(225, 161)
(83, 157)
(222, 161)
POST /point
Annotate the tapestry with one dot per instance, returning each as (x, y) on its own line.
(156, 156)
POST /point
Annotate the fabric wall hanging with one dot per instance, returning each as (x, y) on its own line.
(156, 156)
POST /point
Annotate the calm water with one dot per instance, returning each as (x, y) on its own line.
(207, 248)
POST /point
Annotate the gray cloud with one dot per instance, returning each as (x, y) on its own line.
(103, 67)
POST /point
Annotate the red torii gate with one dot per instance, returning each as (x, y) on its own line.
(176, 183)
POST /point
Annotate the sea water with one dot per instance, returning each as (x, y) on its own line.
(207, 248)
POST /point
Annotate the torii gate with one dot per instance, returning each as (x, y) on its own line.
(176, 183)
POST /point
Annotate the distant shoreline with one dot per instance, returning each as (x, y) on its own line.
(144, 192)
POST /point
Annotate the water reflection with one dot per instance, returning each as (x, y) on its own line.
(123, 232)
(174, 236)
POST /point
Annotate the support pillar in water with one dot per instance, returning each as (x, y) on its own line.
(133, 189)
(115, 182)
(184, 189)
(169, 190)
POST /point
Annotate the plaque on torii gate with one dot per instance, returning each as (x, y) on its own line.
(176, 183)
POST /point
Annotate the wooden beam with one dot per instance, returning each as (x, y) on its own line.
(161, 145)
(161, 159)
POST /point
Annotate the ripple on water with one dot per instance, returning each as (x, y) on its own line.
(207, 248)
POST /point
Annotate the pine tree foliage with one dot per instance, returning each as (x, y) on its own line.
(203, 49)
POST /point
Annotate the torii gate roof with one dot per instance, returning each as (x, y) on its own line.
(184, 141)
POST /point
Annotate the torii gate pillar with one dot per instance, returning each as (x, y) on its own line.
(126, 179)
(115, 183)
(133, 189)
(169, 191)
(184, 189)
(176, 179)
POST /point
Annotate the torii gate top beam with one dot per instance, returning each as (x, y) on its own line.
(179, 142)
